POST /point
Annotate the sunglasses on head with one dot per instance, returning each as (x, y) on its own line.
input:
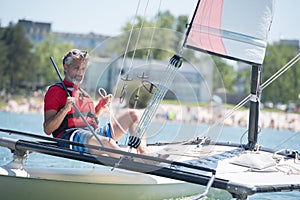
(75, 53)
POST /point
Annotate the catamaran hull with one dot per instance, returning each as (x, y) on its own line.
(91, 184)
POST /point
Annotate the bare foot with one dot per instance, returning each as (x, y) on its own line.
(142, 150)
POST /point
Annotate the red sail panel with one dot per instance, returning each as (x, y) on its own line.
(236, 29)
(209, 15)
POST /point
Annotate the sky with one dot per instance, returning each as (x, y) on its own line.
(108, 16)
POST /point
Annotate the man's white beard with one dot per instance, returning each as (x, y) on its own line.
(73, 80)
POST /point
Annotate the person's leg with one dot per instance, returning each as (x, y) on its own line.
(128, 121)
(84, 136)
(107, 143)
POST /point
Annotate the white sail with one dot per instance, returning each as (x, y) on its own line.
(236, 29)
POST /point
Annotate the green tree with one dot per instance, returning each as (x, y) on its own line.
(18, 68)
(3, 60)
(244, 76)
(166, 20)
(228, 74)
(50, 47)
(286, 88)
(151, 39)
(181, 23)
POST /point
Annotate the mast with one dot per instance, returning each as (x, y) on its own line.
(215, 30)
(254, 107)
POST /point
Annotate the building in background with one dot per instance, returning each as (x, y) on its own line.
(193, 82)
(38, 31)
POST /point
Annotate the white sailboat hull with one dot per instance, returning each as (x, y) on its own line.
(87, 183)
(238, 173)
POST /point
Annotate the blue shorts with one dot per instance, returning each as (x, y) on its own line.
(105, 131)
(82, 135)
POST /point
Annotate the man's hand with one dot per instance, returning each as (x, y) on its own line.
(69, 104)
(103, 102)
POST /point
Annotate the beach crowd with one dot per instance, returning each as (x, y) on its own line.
(183, 113)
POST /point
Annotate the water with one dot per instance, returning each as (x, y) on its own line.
(168, 131)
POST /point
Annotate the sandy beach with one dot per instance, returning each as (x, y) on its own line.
(183, 113)
(272, 120)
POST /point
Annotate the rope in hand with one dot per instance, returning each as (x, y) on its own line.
(105, 102)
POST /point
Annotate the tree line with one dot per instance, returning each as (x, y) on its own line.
(25, 65)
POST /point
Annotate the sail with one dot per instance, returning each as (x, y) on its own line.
(235, 29)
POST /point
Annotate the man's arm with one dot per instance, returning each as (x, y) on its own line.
(53, 119)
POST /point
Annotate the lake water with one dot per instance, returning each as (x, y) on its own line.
(167, 131)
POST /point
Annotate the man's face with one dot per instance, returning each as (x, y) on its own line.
(75, 71)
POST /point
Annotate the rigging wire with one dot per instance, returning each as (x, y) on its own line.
(173, 65)
(153, 33)
(126, 52)
(143, 76)
(138, 39)
(281, 71)
(147, 117)
(136, 45)
(227, 115)
(148, 52)
(161, 90)
(139, 35)
(127, 45)
(246, 99)
(111, 114)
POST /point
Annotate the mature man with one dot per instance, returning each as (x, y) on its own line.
(62, 121)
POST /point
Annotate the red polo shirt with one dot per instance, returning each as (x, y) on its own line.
(56, 97)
